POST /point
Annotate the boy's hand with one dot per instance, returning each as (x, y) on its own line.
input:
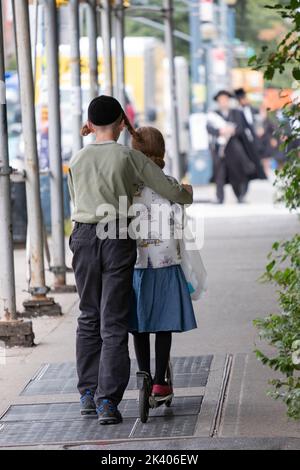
(188, 188)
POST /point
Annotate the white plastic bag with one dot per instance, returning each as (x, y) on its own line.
(192, 265)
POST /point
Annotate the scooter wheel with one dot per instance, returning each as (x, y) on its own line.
(168, 403)
(144, 405)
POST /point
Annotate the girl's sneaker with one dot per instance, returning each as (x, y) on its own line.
(162, 390)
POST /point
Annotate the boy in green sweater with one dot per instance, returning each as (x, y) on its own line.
(99, 175)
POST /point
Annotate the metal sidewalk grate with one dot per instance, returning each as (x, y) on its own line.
(70, 411)
(169, 426)
(61, 423)
(52, 432)
(61, 378)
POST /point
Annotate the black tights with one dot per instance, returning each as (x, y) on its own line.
(163, 341)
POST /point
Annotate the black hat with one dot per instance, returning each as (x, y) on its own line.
(104, 110)
(240, 93)
(222, 93)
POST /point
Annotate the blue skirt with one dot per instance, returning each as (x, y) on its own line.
(161, 302)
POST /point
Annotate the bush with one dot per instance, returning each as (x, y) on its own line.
(282, 330)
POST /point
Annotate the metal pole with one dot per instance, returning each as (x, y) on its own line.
(168, 21)
(224, 38)
(198, 52)
(119, 38)
(7, 274)
(119, 58)
(55, 160)
(75, 75)
(195, 51)
(106, 39)
(13, 332)
(39, 304)
(231, 34)
(30, 145)
(120, 66)
(93, 53)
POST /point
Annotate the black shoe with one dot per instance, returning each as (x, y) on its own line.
(108, 413)
(87, 405)
(241, 199)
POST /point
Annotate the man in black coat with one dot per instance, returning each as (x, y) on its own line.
(248, 136)
(231, 161)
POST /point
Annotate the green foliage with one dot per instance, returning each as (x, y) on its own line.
(282, 330)
(286, 55)
(288, 177)
(252, 19)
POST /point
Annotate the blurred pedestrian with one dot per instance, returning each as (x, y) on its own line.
(249, 115)
(231, 163)
(268, 141)
(250, 112)
(285, 129)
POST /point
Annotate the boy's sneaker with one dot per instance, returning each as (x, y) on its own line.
(108, 413)
(87, 405)
(162, 391)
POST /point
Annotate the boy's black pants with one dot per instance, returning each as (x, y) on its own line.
(103, 272)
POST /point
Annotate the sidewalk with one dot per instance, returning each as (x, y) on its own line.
(234, 408)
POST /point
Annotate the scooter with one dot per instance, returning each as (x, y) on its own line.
(147, 400)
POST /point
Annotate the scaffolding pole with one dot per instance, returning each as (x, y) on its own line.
(13, 332)
(93, 52)
(7, 275)
(39, 304)
(75, 75)
(119, 40)
(169, 42)
(106, 39)
(56, 173)
(224, 39)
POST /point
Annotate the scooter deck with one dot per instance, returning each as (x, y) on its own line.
(156, 401)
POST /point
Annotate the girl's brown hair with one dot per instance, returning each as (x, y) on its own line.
(150, 141)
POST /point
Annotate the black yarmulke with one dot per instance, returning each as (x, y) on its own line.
(104, 110)
(240, 93)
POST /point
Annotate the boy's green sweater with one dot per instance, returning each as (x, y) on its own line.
(100, 174)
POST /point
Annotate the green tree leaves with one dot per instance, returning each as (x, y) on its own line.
(282, 331)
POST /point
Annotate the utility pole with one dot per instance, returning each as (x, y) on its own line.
(56, 173)
(39, 304)
(169, 41)
(13, 332)
(93, 52)
(106, 39)
(75, 75)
